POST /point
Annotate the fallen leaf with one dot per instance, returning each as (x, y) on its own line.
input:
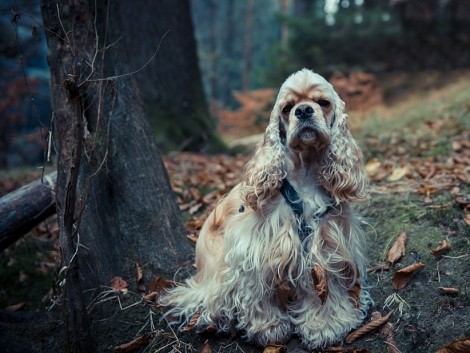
(160, 284)
(15, 307)
(151, 297)
(192, 238)
(135, 344)
(467, 218)
(457, 346)
(398, 173)
(449, 291)
(190, 325)
(320, 280)
(368, 328)
(354, 293)
(398, 249)
(442, 248)
(341, 349)
(119, 285)
(206, 348)
(378, 267)
(387, 331)
(276, 348)
(372, 167)
(401, 277)
(195, 208)
(140, 277)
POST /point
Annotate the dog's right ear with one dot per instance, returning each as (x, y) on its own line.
(265, 172)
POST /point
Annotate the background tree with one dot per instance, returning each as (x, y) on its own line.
(114, 202)
(171, 85)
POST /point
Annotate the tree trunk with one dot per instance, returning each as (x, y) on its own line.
(171, 84)
(228, 51)
(247, 45)
(114, 201)
(214, 92)
(22, 209)
(284, 10)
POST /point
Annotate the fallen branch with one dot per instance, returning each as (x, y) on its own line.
(22, 209)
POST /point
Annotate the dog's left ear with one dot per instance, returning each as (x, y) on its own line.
(342, 172)
(265, 172)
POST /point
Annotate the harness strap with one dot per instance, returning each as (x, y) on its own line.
(294, 200)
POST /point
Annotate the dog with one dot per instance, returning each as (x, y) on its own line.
(283, 253)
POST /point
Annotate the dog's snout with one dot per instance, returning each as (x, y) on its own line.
(304, 111)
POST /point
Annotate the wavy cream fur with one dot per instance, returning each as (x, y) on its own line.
(245, 259)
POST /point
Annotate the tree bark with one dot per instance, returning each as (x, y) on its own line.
(22, 209)
(171, 84)
(114, 201)
(247, 45)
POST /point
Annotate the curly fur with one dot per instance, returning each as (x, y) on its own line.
(254, 271)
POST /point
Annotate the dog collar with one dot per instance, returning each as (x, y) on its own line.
(294, 200)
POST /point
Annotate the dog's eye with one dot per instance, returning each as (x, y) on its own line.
(287, 108)
(323, 103)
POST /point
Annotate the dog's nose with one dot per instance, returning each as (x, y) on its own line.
(304, 111)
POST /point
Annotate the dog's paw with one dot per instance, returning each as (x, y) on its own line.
(277, 333)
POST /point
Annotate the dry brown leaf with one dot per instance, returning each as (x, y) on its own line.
(206, 348)
(378, 267)
(401, 277)
(275, 348)
(398, 249)
(192, 239)
(15, 307)
(368, 328)
(320, 280)
(195, 208)
(373, 167)
(190, 325)
(157, 287)
(341, 349)
(119, 285)
(467, 218)
(458, 346)
(283, 291)
(195, 223)
(442, 248)
(387, 332)
(159, 284)
(151, 297)
(354, 293)
(140, 277)
(135, 344)
(398, 173)
(449, 291)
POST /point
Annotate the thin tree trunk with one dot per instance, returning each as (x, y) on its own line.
(213, 50)
(228, 52)
(248, 45)
(284, 10)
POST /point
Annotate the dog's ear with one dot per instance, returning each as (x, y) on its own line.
(342, 170)
(265, 172)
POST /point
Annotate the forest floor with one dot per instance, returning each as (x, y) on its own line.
(417, 152)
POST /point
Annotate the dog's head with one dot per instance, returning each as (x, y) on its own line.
(308, 117)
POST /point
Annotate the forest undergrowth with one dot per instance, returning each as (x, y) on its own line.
(417, 155)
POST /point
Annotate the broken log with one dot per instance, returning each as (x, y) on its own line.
(22, 209)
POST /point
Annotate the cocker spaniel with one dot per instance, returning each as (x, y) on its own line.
(283, 252)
